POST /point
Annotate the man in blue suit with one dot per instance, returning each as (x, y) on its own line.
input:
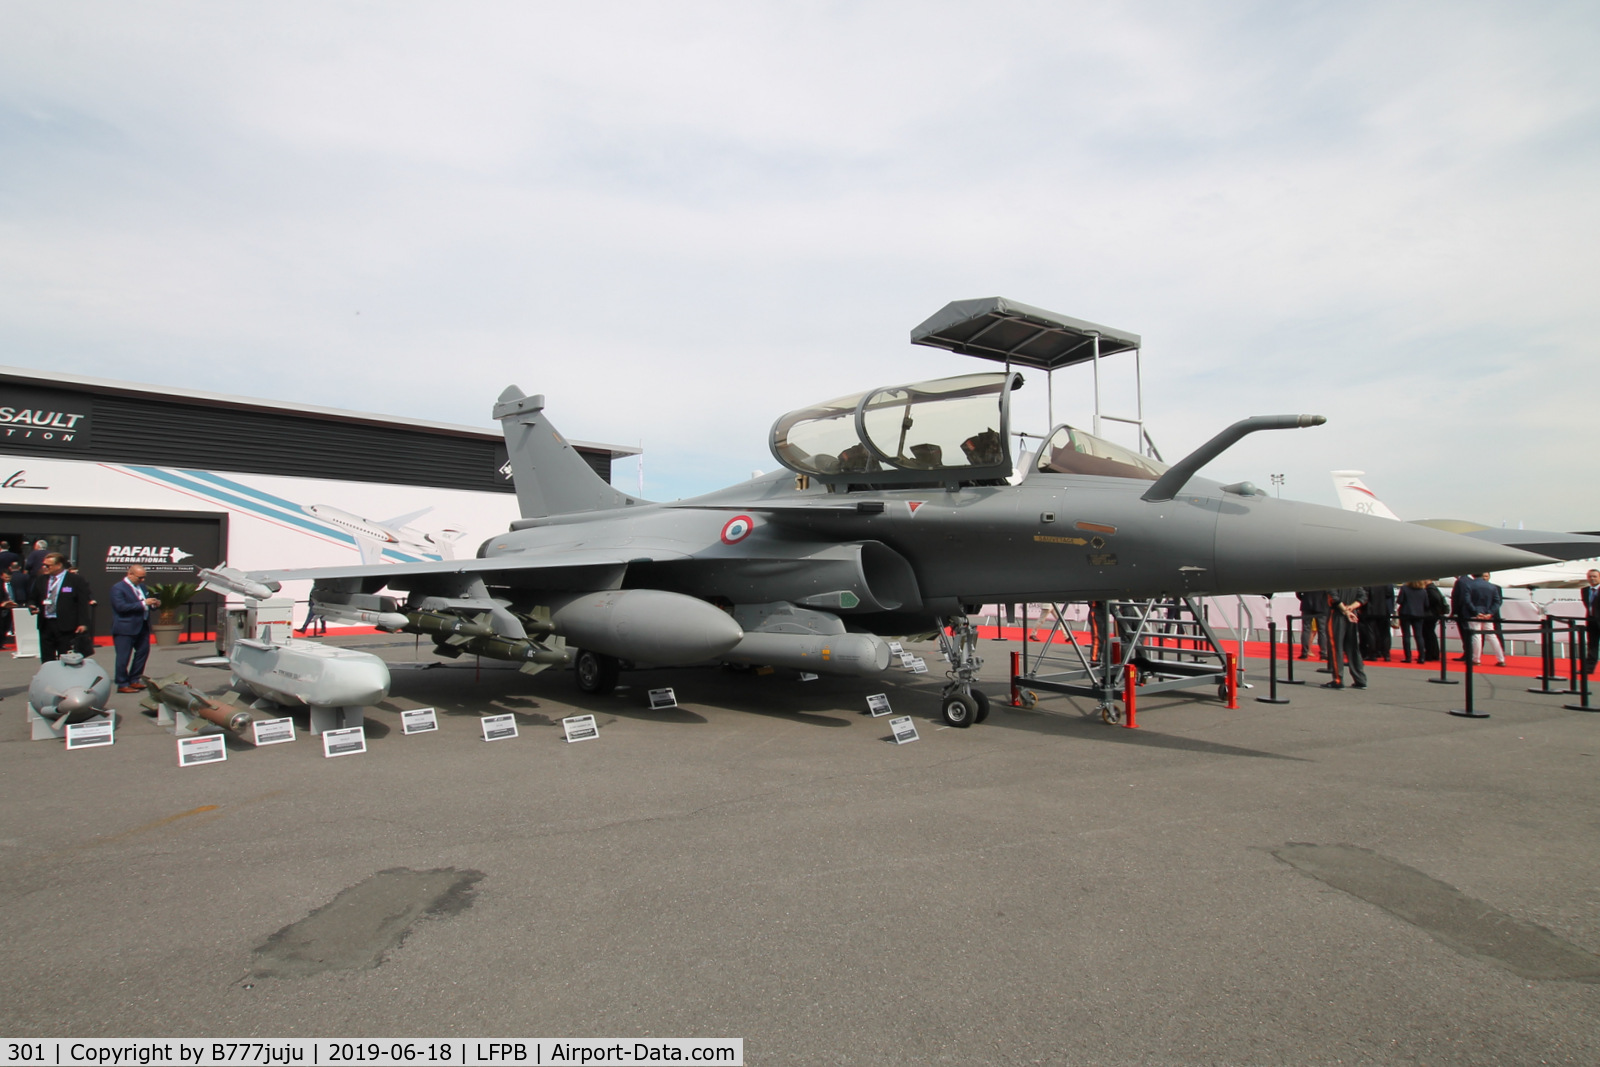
(130, 627)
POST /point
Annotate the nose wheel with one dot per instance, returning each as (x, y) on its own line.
(962, 705)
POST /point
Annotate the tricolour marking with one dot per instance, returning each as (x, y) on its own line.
(737, 529)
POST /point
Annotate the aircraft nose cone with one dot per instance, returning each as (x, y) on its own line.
(1286, 545)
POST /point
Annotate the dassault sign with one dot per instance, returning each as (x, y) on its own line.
(39, 418)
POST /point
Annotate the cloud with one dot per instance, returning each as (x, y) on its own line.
(679, 221)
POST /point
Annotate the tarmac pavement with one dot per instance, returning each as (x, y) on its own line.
(1354, 877)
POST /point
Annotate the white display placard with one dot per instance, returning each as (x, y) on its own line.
(896, 648)
(905, 731)
(907, 659)
(580, 728)
(346, 742)
(662, 698)
(89, 734)
(499, 727)
(418, 721)
(273, 731)
(918, 666)
(807, 676)
(26, 630)
(878, 704)
(207, 749)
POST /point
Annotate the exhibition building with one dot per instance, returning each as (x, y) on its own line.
(115, 473)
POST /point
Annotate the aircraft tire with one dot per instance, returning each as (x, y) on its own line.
(594, 671)
(959, 710)
(983, 705)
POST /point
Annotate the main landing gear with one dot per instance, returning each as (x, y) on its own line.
(961, 704)
(595, 671)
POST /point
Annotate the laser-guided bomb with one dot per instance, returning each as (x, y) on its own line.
(187, 710)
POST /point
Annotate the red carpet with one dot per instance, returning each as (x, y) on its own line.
(1520, 666)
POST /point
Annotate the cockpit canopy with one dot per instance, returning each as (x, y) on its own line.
(952, 430)
(1071, 451)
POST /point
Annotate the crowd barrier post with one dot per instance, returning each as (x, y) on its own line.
(1572, 656)
(1583, 684)
(1289, 646)
(1444, 656)
(1547, 655)
(1272, 669)
(1233, 682)
(1468, 712)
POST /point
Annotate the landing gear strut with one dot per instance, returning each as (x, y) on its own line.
(960, 703)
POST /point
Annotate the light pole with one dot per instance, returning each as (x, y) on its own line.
(1277, 485)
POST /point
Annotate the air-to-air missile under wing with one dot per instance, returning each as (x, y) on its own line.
(894, 517)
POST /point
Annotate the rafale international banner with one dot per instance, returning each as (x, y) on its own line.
(39, 419)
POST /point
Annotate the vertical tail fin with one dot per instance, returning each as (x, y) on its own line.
(1355, 496)
(551, 478)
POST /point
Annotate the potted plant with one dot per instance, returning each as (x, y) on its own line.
(170, 616)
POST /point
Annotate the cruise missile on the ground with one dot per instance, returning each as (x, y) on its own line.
(336, 684)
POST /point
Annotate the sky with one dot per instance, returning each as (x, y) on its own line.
(678, 221)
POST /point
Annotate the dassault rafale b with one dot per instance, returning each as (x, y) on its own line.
(899, 511)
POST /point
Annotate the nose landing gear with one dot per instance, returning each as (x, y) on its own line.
(960, 704)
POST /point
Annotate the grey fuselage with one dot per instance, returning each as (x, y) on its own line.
(1053, 537)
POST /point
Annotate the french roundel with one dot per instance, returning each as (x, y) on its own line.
(737, 529)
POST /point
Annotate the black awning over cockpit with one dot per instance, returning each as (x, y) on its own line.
(1010, 332)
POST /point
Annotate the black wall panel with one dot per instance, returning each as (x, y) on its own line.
(176, 432)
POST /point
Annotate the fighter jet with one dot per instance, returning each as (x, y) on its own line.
(893, 516)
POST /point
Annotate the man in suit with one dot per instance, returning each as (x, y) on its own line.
(35, 558)
(1344, 640)
(1591, 620)
(62, 606)
(1313, 616)
(1472, 604)
(7, 558)
(1376, 620)
(130, 627)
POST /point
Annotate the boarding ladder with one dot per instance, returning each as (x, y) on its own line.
(1167, 641)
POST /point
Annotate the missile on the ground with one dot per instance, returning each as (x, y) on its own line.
(229, 580)
(308, 674)
(71, 689)
(849, 654)
(186, 708)
(336, 684)
(646, 626)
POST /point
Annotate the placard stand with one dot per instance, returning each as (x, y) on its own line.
(324, 719)
(26, 632)
(43, 729)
